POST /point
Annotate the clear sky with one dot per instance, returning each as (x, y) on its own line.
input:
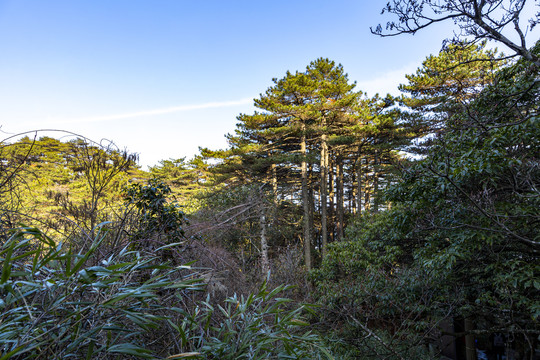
(163, 77)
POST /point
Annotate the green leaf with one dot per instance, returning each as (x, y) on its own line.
(130, 349)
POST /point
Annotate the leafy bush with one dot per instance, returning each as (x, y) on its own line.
(259, 326)
(372, 301)
(55, 304)
(155, 214)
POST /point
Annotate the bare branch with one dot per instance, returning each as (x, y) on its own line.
(477, 20)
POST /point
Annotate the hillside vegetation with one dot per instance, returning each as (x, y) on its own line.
(334, 225)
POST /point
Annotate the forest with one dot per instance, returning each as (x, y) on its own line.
(333, 226)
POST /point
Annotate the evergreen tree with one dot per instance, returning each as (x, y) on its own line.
(445, 84)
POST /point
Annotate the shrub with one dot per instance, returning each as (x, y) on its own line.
(155, 215)
(54, 304)
(259, 326)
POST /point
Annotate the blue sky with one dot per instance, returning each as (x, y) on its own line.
(163, 77)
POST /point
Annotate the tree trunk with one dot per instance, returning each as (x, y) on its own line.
(305, 201)
(352, 192)
(265, 264)
(331, 212)
(359, 182)
(470, 350)
(311, 197)
(274, 183)
(340, 199)
(324, 166)
(351, 204)
(376, 183)
(367, 188)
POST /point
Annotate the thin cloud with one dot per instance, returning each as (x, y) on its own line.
(387, 82)
(168, 110)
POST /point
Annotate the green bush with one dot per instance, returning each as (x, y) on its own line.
(57, 304)
(259, 326)
(155, 215)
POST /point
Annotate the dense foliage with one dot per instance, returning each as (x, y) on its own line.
(58, 303)
(461, 241)
(412, 222)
